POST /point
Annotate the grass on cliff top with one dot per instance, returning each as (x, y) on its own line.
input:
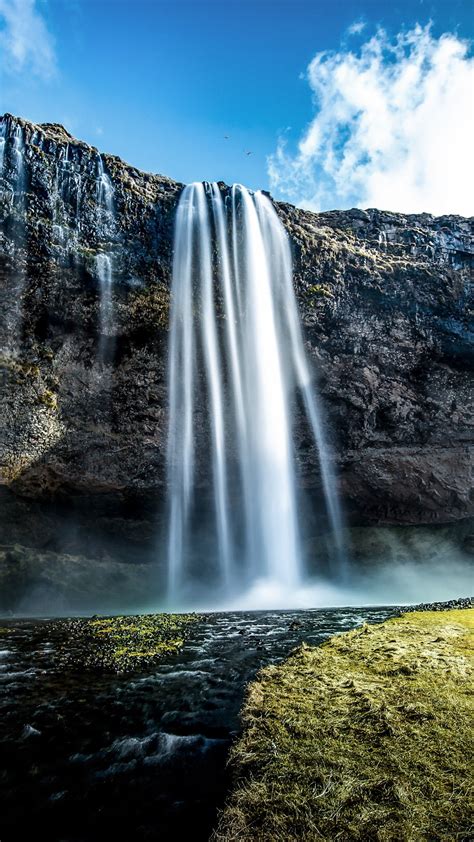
(121, 644)
(367, 737)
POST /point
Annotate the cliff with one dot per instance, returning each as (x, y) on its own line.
(385, 305)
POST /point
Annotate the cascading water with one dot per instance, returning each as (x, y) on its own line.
(104, 261)
(238, 343)
(105, 191)
(17, 156)
(63, 231)
(13, 191)
(103, 265)
(71, 210)
(12, 163)
(3, 131)
(70, 188)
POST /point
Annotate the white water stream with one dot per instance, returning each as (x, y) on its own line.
(236, 346)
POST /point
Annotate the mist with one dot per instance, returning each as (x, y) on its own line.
(417, 565)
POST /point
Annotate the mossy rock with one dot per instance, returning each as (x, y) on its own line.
(121, 644)
(150, 307)
(320, 290)
(48, 399)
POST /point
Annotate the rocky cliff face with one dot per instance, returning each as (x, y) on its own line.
(85, 265)
(387, 304)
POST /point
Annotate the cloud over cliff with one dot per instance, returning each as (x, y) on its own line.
(393, 127)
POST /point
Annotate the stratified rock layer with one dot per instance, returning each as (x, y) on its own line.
(384, 301)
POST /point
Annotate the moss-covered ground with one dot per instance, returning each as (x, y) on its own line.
(121, 644)
(368, 737)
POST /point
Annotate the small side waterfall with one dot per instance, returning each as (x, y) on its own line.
(12, 163)
(103, 265)
(104, 260)
(105, 191)
(3, 131)
(236, 346)
(14, 205)
(81, 213)
(17, 155)
(64, 209)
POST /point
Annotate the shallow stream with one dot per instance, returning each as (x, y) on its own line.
(86, 757)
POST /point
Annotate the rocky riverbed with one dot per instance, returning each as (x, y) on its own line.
(450, 605)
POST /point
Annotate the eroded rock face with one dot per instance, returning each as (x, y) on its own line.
(384, 301)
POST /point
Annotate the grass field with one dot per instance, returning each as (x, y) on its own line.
(367, 737)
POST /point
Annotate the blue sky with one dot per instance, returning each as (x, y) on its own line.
(160, 83)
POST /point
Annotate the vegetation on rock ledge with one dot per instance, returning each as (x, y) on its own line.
(150, 307)
(367, 737)
(122, 644)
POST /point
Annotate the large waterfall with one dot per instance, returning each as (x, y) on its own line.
(237, 361)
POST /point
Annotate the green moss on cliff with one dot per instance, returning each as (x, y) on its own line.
(48, 399)
(367, 737)
(320, 289)
(150, 307)
(122, 644)
(19, 369)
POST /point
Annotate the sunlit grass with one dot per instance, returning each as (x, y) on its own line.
(368, 737)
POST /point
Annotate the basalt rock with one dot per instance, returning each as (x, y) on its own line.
(385, 305)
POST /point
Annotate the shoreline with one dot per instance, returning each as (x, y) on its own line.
(364, 737)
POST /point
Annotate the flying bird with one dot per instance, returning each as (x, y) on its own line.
(227, 137)
(248, 153)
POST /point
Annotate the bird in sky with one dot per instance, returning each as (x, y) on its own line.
(227, 137)
(248, 153)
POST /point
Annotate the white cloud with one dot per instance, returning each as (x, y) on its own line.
(356, 27)
(25, 43)
(393, 129)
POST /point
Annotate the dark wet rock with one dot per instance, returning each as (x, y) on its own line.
(449, 605)
(385, 303)
(294, 625)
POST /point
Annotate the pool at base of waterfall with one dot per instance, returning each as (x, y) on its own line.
(87, 757)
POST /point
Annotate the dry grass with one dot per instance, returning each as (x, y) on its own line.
(368, 737)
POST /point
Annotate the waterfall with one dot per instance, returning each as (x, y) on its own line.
(58, 215)
(104, 261)
(236, 361)
(70, 186)
(103, 265)
(14, 220)
(12, 163)
(18, 158)
(3, 130)
(105, 191)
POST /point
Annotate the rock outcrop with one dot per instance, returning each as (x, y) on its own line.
(385, 304)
